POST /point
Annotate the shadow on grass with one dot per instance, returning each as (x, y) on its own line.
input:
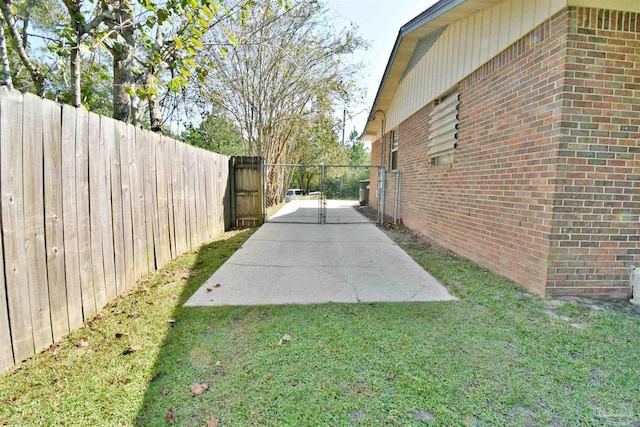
(176, 366)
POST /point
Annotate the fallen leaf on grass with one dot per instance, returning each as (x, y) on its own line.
(120, 335)
(130, 349)
(285, 337)
(149, 302)
(96, 318)
(133, 314)
(171, 417)
(391, 377)
(198, 389)
(165, 391)
(213, 422)
(82, 344)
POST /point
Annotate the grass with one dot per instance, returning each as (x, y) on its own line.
(273, 209)
(499, 356)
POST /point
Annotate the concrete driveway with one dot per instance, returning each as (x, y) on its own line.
(314, 264)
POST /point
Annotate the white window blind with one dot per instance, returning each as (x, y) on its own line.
(443, 129)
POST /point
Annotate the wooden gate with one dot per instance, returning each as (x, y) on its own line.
(247, 205)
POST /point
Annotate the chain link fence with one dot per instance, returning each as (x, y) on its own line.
(331, 194)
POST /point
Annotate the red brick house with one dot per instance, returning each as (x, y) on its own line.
(515, 125)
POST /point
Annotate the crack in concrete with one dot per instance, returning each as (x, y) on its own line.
(414, 295)
(353, 286)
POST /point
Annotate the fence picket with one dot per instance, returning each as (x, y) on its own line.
(140, 260)
(122, 134)
(113, 142)
(154, 140)
(19, 308)
(84, 222)
(106, 135)
(200, 196)
(180, 219)
(148, 181)
(96, 181)
(6, 350)
(169, 158)
(70, 215)
(33, 176)
(191, 197)
(52, 149)
(163, 250)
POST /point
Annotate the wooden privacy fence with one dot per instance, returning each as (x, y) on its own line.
(89, 205)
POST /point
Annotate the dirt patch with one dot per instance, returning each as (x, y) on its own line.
(409, 238)
(574, 309)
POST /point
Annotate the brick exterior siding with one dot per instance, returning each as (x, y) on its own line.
(596, 230)
(544, 187)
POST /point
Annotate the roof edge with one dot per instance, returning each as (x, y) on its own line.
(433, 12)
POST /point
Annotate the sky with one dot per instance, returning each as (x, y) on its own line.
(378, 22)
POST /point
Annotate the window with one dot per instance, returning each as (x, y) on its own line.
(394, 150)
(443, 129)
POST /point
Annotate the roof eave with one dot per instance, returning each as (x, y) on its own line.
(438, 9)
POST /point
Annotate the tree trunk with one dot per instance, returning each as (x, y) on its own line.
(76, 71)
(123, 54)
(36, 76)
(122, 79)
(155, 114)
(4, 57)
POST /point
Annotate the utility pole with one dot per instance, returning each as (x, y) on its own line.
(344, 122)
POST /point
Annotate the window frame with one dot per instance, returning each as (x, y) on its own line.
(393, 157)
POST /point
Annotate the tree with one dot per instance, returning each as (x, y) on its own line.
(171, 57)
(19, 40)
(143, 38)
(281, 66)
(6, 79)
(358, 154)
(317, 144)
(216, 133)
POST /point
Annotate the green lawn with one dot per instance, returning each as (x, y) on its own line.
(499, 356)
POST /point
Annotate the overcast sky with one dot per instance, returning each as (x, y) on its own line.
(378, 22)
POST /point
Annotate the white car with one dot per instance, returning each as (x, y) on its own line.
(293, 193)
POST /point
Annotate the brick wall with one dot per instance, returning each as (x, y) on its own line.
(545, 183)
(494, 204)
(596, 234)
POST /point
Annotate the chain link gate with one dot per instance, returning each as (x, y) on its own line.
(329, 194)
